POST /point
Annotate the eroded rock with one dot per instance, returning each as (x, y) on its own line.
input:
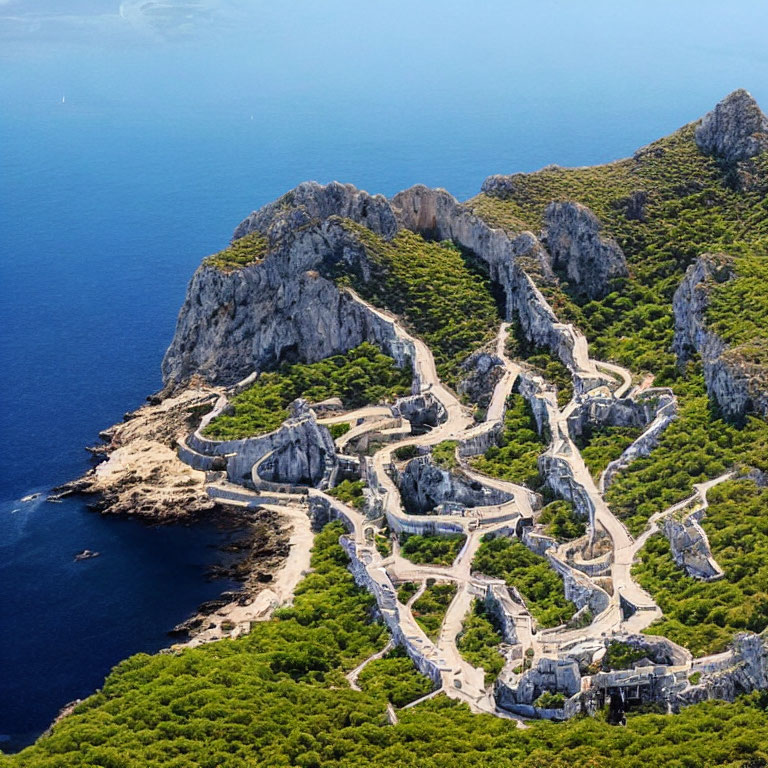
(573, 237)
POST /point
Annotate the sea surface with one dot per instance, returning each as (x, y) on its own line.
(133, 138)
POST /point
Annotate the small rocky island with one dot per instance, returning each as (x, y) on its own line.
(534, 414)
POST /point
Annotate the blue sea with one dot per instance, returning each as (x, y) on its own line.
(133, 138)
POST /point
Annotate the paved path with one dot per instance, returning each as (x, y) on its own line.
(458, 678)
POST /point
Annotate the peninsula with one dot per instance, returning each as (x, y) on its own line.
(511, 459)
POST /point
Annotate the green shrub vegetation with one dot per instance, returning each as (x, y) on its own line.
(692, 207)
(361, 376)
(697, 446)
(620, 655)
(431, 549)
(444, 454)
(278, 698)
(538, 583)
(406, 591)
(440, 293)
(350, 492)
(395, 678)
(383, 544)
(738, 308)
(561, 522)
(599, 447)
(405, 452)
(514, 459)
(479, 642)
(429, 610)
(703, 616)
(339, 430)
(241, 253)
(549, 700)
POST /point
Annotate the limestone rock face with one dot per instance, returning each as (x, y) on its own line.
(690, 547)
(737, 385)
(311, 201)
(480, 373)
(734, 130)
(423, 486)
(554, 675)
(572, 235)
(280, 309)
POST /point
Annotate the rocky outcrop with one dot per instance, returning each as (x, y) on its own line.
(733, 380)
(298, 453)
(142, 475)
(311, 202)
(424, 486)
(433, 213)
(280, 309)
(734, 130)
(480, 373)
(598, 412)
(690, 546)
(746, 670)
(590, 261)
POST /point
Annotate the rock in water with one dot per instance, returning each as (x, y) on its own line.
(572, 234)
(734, 130)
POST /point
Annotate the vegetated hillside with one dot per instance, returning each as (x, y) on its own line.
(665, 206)
(278, 697)
(738, 311)
(440, 294)
(704, 616)
(539, 584)
(361, 376)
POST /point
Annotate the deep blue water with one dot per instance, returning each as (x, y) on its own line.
(171, 131)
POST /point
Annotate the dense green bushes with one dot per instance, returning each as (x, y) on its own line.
(738, 308)
(361, 376)
(703, 616)
(440, 294)
(599, 447)
(620, 655)
(444, 454)
(429, 610)
(514, 459)
(697, 446)
(478, 642)
(394, 677)
(561, 522)
(278, 698)
(241, 253)
(350, 492)
(431, 549)
(538, 583)
(692, 207)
